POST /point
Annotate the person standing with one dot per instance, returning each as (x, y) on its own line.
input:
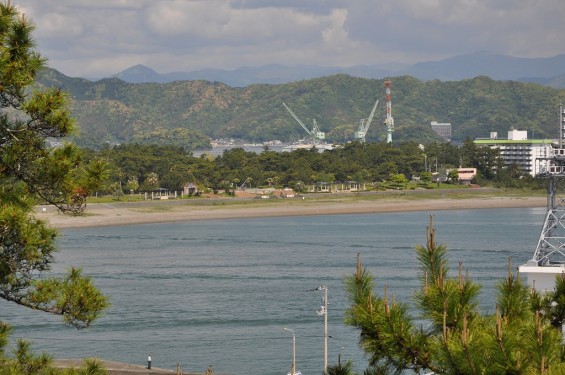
(149, 361)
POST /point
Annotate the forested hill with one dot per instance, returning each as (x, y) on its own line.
(111, 110)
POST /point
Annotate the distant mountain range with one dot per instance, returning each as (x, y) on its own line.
(193, 111)
(544, 71)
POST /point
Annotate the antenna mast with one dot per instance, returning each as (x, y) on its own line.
(389, 121)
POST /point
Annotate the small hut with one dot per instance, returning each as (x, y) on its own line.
(190, 188)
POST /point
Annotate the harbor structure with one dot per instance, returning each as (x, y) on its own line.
(361, 132)
(316, 135)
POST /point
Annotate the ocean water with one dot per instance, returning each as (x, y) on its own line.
(221, 292)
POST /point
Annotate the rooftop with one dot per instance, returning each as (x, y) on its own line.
(491, 141)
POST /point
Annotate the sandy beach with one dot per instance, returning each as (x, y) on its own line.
(128, 213)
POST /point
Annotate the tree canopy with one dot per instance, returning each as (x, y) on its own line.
(31, 171)
(445, 333)
(136, 167)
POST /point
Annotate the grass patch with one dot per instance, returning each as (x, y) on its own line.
(156, 206)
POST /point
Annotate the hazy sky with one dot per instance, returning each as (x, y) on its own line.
(94, 38)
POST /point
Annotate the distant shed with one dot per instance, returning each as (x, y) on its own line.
(190, 188)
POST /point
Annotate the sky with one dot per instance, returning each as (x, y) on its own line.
(84, 38)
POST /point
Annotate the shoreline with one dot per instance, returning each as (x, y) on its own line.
(153, 212)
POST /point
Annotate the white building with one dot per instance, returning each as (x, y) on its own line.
(531, 155)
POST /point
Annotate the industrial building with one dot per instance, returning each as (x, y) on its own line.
(442, 129)
(531, 155)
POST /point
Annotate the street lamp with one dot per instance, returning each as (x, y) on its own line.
(293, 370)
(324, 312)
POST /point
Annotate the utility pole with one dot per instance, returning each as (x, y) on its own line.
(293, 372)
(561, 125)
(324, 312)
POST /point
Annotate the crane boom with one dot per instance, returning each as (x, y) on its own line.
(297, 119)
(316, 134)
(364, 125)
(368, 123)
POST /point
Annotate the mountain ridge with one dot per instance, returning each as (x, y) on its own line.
(114, 111)
(546, 71)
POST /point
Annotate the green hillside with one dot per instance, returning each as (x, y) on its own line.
(111, 110)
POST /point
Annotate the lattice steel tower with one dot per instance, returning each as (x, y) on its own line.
(389, 120)
(549, 256)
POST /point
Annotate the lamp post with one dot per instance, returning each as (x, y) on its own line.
(293, 371)
(324, 312)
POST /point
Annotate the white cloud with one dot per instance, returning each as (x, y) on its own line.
(93, 38)
(444, 28)
(335, 33)
(218, 23)
(56, 25)
(199, 18)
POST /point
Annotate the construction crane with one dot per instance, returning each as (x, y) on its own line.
(315, 133)
(364, 126)
(389, 121)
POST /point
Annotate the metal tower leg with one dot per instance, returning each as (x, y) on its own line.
(551, 245)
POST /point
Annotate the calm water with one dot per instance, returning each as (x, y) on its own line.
(221, 292)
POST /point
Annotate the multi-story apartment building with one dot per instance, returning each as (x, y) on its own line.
(531, 155)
